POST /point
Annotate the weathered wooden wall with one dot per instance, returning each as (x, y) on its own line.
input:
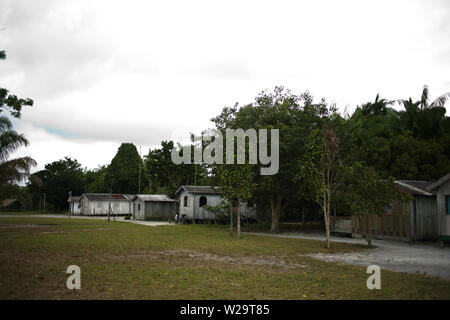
(102, 207)
(426, 226)
(443, 217)
(398, 223)
(159, 209)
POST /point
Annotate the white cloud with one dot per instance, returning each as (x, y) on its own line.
(105, 72)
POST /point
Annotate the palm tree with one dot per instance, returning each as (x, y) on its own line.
(12, 169)
(423, 118)
(379, 106)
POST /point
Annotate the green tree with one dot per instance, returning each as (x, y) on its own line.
(58, 179)
(165, 176)
(94, 180)
(321, 171)
(237, 185)
(17, 169)
(367, 194)
(122, 175)
(407, 144)
(425, 119)
(294, 116)
(12, 170)
(11, 102)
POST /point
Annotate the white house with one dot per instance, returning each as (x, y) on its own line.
(74, 205)
(193, 198)
(94, 204)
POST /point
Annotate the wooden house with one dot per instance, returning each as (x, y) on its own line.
(100, 204)
(153, 206)
(11, 205)
(192, 199)
(74, 205)
(442, 190)
(410, 220)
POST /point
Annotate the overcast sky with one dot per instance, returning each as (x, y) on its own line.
(105, 72)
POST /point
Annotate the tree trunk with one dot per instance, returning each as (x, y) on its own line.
(333, 224)
(231, 219)
(366, 236)
(275, 204)
(326, 215)
(238, 222)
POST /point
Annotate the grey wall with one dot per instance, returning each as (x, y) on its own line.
(443, 217)
(426, 218)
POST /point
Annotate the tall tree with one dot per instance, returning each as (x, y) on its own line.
(321, 171)
(12, 170)
(94, 180)
(237, 185)
(17, 169)
(58, 178)
(413, 143)
(165, 176)
(425, 119)
(122, 175)
(294, 116)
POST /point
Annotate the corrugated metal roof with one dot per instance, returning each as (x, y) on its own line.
(414, 187)
(154, 197)
(129, 197)
(104, 197)
(201, 189)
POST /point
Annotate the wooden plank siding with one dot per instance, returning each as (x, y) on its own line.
(159, 209)
(398, 222)
(426, 216)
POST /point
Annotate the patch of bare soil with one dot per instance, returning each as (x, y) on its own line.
(82, 230)
(16, 226)
(196, 255)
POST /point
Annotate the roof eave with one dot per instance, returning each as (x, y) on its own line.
(436, 184)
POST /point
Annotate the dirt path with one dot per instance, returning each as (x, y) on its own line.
(424, 258)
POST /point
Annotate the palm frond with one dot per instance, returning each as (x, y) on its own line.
(441, 100)
(424, 98)
(16, 169)
(10, 141)
(5, 124)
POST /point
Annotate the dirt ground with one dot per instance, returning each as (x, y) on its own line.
(424, 258)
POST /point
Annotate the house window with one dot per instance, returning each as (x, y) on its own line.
(202, 201)
(447, 201)
(139, 206)
(186, 201)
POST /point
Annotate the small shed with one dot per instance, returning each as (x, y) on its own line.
(74, 205)
(442, 189)
(100, 204)
(153, 207)
(410, 220)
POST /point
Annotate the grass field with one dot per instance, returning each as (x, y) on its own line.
(127, 261)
